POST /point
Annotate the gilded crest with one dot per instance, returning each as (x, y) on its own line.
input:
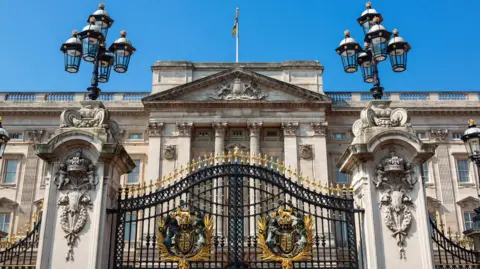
(285, 236)
(185, 236)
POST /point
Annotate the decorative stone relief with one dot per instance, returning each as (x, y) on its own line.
(319, 128)
(306, 152)
(220, 128)
(170, 152)
(379, 114)
(75, 178)
(395, 179)
(255, 128)
(238, 91)
(35, 136)
(184, 128)
(439, 134)
(290, 128)
(155, 128)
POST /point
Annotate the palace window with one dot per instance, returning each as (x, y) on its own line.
(135, 136)
(16, 136)
(4, 222)
(468, 220)
(422, 135)
(271, 133)
(340, 177)
(339, 136)
(130, 227)
(203, 133)
(10, 171)
(457, 136)
(463, 170)
(425, 172)
(134, 176)
(341, 229)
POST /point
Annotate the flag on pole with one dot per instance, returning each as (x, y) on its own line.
(235, 25)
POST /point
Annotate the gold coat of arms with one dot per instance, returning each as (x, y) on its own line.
(285, 236)
(185, 236)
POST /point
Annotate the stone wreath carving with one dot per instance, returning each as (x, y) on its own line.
(379, 114)
(238, 91)
(306, 152)
(75, 177)
(395, 179)
(169, 152)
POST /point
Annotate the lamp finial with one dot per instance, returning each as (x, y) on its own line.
(74, 33)
(346, 33)
(101, 6)
(471, 123)
(395, 32)
(92, 20)
(369, 4)
(123, 33)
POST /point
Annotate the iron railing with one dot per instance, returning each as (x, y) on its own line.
(21, 253)
(450, 253)
(236, 193)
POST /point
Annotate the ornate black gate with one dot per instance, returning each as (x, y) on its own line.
(233, 211)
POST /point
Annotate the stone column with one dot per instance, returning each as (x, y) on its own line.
(290, 145)
(254, 193)
(220, 128)
(85, 164)
(385, 160)
(320, 152)
(255, 129)
(154, 151)
(184, 141)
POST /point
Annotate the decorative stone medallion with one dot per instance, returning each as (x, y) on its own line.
(74, 179)
(238, 91)
(170, 152)
(306, 152)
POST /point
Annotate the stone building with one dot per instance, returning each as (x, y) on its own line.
(275, 109)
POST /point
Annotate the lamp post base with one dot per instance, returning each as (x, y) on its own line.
(377, 92)
(93, 92)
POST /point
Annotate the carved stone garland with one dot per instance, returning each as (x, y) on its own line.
(395, 179)
(74, 179)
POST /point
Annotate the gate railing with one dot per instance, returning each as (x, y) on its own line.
(262, 185)
(452, 252)
(19, 251)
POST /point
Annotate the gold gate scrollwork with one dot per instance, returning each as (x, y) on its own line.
(285, 236)
(185, 237)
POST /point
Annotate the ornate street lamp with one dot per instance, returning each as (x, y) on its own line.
(4, 137)
(379, 45)
(90, 45)
(471, 139)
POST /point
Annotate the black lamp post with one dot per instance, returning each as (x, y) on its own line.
(471, 139)
(90, 44)
(378, 45)
(4, 137)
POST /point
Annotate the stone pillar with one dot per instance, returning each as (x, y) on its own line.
(320, 152)
(184, 141)
(255, 129)
(220, 128)
(85, 163)
(290, 145)
(254, 193)
(154, 151)
(385, 160)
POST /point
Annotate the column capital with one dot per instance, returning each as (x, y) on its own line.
(34, 136)
(319, 128)
(154, 128)
(184, 128)
(254, 128)
(290, 128)
(220, 128)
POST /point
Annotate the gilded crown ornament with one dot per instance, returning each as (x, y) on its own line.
(285, 236)
(185, 236)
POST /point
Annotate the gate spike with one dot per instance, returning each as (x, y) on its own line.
(151, 186)
(344, 190)
(351, 190)
(224, 157)
(457, 237)
(199, 162)
(194, 165)
(170, 178)
(158, 183)
(205, 160)
(217, 157)
(289, 171)
(338, 189)
(449, 232)
(188, 168)
(259, 159)
(327, 190)
(212, 159)
(27, 226)
(229, 157)
(295, 174)
(277, 164)
(265, 160)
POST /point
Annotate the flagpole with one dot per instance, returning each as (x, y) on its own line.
(236, 38)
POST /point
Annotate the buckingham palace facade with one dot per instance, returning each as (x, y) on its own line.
(275, 109)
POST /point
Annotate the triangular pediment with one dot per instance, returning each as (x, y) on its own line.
(237, 85)
(469, 201)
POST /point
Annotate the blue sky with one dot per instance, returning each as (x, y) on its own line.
(444, 35)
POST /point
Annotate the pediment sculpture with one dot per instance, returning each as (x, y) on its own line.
(238, 91)
(395, 178)
(74, 178)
